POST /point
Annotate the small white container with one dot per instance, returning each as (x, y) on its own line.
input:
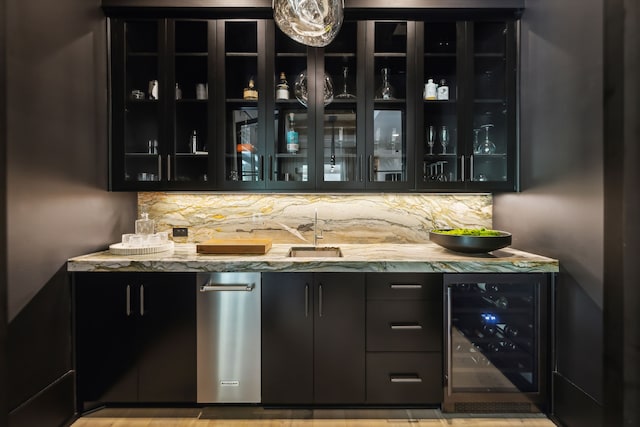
(430, 91)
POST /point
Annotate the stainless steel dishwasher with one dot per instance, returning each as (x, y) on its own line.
(228, 357)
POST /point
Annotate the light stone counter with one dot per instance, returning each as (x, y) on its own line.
(417, 258)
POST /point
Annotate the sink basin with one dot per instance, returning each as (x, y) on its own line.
(314, 252)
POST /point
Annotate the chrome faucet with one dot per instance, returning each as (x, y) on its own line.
(316, 236)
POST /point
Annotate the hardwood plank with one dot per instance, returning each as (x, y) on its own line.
(463, 421)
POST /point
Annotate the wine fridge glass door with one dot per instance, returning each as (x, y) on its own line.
(492, 336)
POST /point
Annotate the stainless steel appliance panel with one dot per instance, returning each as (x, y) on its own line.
(228, 316)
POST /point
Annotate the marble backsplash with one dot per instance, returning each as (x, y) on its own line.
(342, 218)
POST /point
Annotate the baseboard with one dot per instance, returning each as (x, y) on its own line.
(54, 406)
(572, 407)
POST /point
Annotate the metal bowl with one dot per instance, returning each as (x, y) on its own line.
(470, 244)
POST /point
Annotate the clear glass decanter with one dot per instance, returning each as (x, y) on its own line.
(144, 225)
(345, 93)
(386, 91)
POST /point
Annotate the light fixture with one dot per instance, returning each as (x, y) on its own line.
(310, 22)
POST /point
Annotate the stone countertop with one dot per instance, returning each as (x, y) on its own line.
(411, 258)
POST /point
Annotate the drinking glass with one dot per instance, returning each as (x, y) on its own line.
(476, 142)
(487, 146)
(345, 93)
(431, 138)
(444, 138)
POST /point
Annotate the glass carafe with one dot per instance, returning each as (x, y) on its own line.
(345, 93)
(386, 91)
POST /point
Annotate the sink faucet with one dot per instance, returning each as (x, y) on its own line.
(316, 235)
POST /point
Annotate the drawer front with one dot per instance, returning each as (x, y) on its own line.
(404, 378)
(404, 326)
(404, 286)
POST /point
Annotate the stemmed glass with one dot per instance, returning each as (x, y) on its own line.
(444, 138)
(476, 142)
(345, 93)
(431, 138)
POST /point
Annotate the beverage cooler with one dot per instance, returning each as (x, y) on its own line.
(496, 346)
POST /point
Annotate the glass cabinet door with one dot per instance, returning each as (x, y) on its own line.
(438, 136)
(340, 164)
(243, 94)
(137, 139)
(392, 93)
(493, 131)
(292, 146)
(190, 93)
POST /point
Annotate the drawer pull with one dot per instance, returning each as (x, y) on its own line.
(404, 286)
(217, 287)
(402, 326)
(405, 379)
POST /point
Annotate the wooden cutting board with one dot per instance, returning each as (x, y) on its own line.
(234, 246)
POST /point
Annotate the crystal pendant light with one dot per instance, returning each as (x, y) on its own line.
(310, 22)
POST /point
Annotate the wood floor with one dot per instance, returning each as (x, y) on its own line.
(202, 417)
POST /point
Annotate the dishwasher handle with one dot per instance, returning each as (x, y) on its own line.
(218, 287)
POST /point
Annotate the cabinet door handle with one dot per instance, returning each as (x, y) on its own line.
(216, 287)
(462, 168)
(405, 379)
(360, 163)
(471, 167)
(270, 168)
(141, 300)
(405, 326)
(168, 167)
(447, 341)
(320, 300)
(405, 286)
(160, 167)
(306, 300)
(370, 168)
(128, 301)
(261, 167)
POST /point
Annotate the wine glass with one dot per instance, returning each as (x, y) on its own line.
(345, 93)
(487, 146)
(431, 138)
(476, 141)
(444, 138)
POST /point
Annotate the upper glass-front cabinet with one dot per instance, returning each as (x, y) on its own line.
(340, 155)
(493, 131)
(241, 79)
(391, 95)
(138, 137)
(291, 144)
(234, 104)
(160, 110)
(466, 126)
(191, 114)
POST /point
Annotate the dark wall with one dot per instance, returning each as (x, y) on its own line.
(622, 211)
(559, 212)
(3, 221)
(57, 203)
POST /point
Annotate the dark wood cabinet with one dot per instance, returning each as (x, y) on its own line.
(404, 338)
(477, 60)
(162, 116)
(135, 337)
(200, 131)
(313, 338)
